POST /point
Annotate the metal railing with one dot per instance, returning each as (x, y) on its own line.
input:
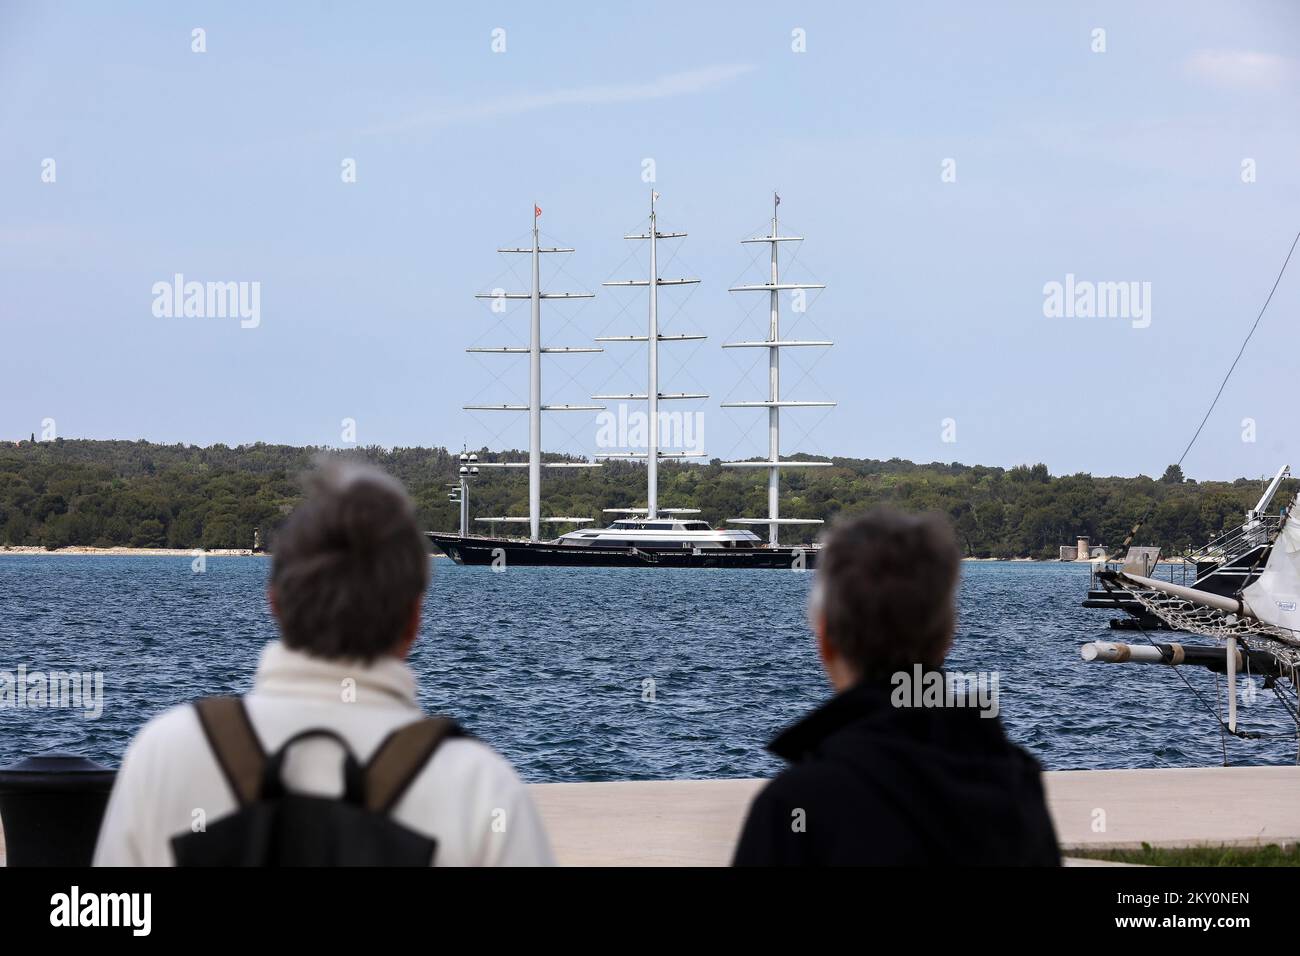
(1233, 544)
(1224, 548)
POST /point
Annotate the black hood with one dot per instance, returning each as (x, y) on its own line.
(944, 779)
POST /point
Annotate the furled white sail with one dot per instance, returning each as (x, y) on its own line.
(1274, 597)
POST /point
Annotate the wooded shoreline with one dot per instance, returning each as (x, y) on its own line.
(73, 493)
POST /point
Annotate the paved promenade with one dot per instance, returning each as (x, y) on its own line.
(695, 822)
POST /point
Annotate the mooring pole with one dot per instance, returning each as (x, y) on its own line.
(1232, 685)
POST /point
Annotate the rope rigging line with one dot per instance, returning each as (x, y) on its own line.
(1224, 729)
(1222, 385)
(1242, 350)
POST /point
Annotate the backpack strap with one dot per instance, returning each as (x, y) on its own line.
(400, 758)
(234, 743)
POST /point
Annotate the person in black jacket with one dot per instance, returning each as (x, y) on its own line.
(907, 764)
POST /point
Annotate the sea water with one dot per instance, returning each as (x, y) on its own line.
(603, 674)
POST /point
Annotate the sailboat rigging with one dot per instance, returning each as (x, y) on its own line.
(650, 535)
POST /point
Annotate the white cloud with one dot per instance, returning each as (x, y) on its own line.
(671, 84)
(1248, 70)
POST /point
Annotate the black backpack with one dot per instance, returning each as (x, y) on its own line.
(275, 827)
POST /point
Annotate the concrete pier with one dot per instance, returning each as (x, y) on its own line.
(651, 823)
(696, 822)
(1202, 806)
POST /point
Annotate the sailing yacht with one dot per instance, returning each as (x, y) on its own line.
(1258, 625)
(1226, 565)
(649, 535)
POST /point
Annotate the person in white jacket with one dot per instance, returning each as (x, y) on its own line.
(349, 573)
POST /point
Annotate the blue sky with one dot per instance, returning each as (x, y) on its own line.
(1123, 165)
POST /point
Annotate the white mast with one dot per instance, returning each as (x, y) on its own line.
(773, 343)
(535, 393)
(652, 375)
(652, 338)
(535, 407)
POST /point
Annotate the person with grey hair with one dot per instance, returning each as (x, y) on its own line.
(257, 779)
(907, 764)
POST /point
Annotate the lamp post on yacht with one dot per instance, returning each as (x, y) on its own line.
(468, 470)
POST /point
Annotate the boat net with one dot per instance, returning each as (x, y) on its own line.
(1183, 615)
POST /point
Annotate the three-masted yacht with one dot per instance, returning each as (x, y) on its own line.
(650, 535)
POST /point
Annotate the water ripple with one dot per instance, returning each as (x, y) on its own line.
(623, 673)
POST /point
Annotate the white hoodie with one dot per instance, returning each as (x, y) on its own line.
(467, 797)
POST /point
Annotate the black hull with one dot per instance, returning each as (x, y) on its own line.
(503, 552)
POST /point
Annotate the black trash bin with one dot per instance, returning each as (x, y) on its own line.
(51, 807)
